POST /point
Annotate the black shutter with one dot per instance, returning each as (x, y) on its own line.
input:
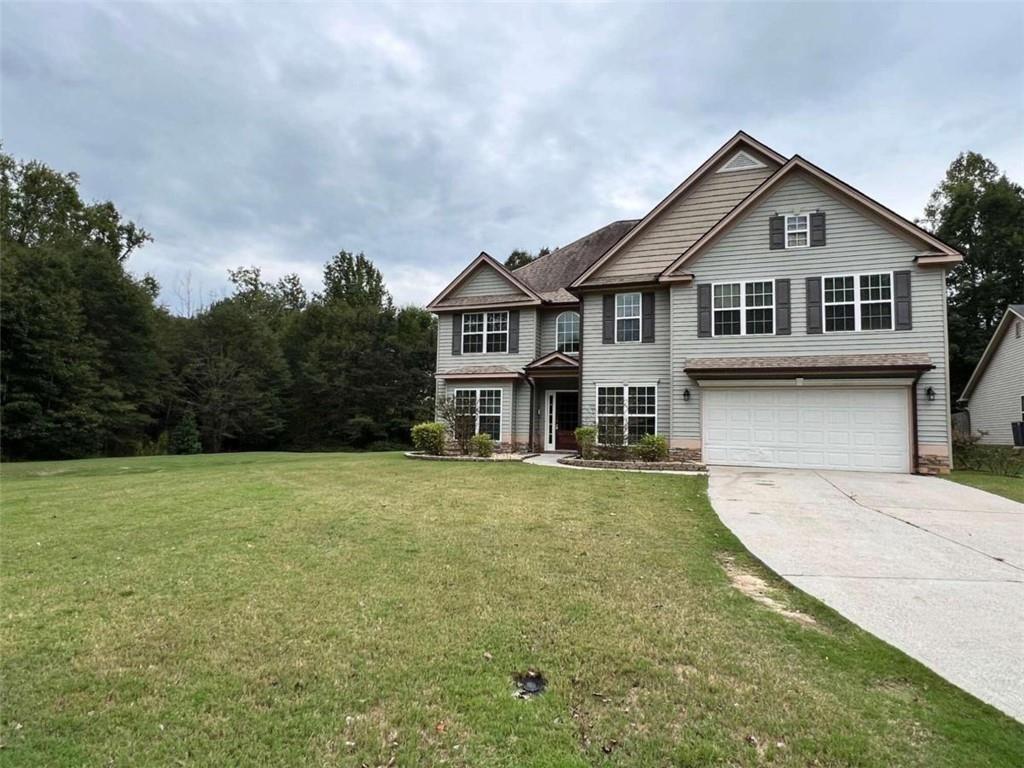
(777, 232)
(704, 310)
(457, 333)
(608, 331)
(782, 326)
(813, 305)
(647, 317)
(513, 331)
(901, 293)
(817, 229)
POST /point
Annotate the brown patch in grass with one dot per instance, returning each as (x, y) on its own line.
(757, 589)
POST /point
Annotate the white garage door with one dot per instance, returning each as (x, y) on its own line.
(856, 428)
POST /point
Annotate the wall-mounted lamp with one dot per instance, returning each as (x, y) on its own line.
(930, 394)
(686, 395)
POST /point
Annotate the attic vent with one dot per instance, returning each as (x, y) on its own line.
(741, 161)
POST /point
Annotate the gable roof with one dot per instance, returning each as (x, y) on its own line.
(940, 253)
(1014, 310)
(741, 139)
(556, 360)
(549, 275)
(526, 296)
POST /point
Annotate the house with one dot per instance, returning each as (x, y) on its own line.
(764, 313)
(994, 395)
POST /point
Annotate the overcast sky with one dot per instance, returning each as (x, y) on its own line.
(276, 135)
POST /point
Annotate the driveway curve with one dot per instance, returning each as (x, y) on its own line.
(932, 567)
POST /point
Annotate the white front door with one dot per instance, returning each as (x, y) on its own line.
(550, 428)
(858, 428)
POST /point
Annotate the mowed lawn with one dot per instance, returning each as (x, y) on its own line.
(332, 609)
(1001, 485)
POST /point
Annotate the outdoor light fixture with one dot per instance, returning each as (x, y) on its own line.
(930, 394)
(686, 395)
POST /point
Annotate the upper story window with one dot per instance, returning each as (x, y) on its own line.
(798, 228)
(485, 332)
(742, 309)
(858, 302)
(567, 332)
(627, 317)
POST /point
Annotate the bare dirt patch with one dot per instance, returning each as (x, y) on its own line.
(757, 589)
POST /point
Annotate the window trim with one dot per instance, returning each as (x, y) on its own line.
(639, 317)
(743, 309)
(476, 406)
(485, 333)
(857, 301)
(785, 230)
(625, 407)
(558, 343)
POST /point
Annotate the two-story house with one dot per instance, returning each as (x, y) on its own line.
(764, 313)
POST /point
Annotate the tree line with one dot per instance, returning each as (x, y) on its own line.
(91, 364)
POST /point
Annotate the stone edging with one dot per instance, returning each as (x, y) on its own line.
(655, 466)
(508, 458)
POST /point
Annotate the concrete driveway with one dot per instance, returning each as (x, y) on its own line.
(932, 567)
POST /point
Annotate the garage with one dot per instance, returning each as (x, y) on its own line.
(865, 428)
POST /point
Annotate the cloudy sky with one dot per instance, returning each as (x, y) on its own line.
(278, 134)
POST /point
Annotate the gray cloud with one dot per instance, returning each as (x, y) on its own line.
(278, 134)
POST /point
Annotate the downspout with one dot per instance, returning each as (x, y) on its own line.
(533, 399)
(579, 370)
(913, 422)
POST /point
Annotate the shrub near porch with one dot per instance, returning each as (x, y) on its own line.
(284, 609)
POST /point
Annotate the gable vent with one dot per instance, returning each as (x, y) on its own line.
(741, 161)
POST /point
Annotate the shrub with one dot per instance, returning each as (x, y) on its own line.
(968, 453)
(429, 437)
(651, 448)
(185, 437)
(460, 420)
(586, 439)
(481, 445)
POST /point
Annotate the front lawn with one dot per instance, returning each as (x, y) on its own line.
(330, 609)
(1010, 487)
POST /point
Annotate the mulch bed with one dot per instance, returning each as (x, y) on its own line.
(459, 457)
(657, 466)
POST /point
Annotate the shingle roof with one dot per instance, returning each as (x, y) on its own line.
(490, 298)
(810, 362)
(480, 370)
(551, 274)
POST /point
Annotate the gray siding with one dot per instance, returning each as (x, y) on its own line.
(855, 244)
(484, 281)
(995, 401)
(547, 340)
(634, 363)
(687, 219)
(446, 361)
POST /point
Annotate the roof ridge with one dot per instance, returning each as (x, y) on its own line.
(577, 240)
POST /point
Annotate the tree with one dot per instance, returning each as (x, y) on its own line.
(520, 258)
(354, 281)
(980, 212)
(185, 437)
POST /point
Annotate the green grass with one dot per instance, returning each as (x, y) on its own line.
(282, 609)
(1010, 487)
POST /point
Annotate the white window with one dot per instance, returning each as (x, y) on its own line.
(626, 413)
(485, 332)
(486, 407)
(742, 309)
(798, 230)
(857, 302)
(567, 332)
(627, 317)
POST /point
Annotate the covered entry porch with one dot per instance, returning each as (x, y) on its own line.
(555, 402)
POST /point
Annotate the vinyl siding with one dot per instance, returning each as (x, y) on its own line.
(446, 361)
(634, 363)
(995, 401)
(685, 221)
(547, 337)
(855, 244)
(484, 281)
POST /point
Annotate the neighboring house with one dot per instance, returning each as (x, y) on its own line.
(764, 313)
(994, 395)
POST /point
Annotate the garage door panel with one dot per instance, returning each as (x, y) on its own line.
(862, 428)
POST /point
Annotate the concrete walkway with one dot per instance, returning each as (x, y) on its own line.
(551, 460)
(931, 566)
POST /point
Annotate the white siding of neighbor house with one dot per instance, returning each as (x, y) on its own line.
(485, 280)
(618, 364)
(995, 401)
(855, 244)
(680, 225)
(446, 361)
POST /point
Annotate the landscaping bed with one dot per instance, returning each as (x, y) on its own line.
(634, 464)
(462, 457)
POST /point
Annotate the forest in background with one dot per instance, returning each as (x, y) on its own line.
(92, 365)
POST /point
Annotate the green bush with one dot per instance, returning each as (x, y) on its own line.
(968, 453)
(586, 439)
(651, 448)
(185, 437)
(429, 437)
(481, 445)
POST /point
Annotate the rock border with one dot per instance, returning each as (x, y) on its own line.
(650, 466)
(506, 458)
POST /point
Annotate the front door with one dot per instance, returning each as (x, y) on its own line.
(561, 419)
